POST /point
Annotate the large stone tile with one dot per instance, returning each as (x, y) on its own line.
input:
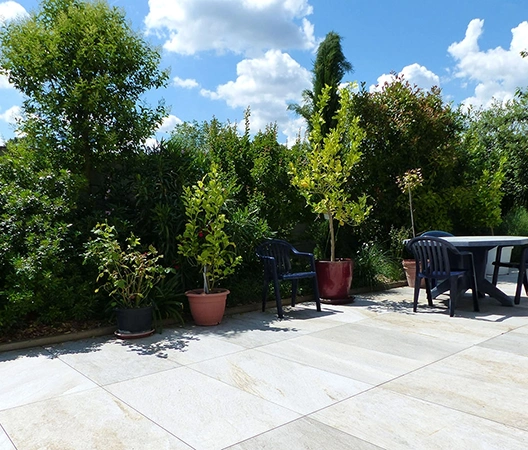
(305, 434)
(515, 341)
(302, 318)
(107, 361)
(201, 411)
(401, 343)
(287, 383)
(394, 421)
(440, 326)
(88, 420)
(186, 346)
(488, 383)
(367, 365)
(5, 442)
(252, 330)
(33, 375)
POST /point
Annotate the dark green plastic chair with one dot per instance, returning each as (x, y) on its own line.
(277, 256)
(433, 256)
(522, 267)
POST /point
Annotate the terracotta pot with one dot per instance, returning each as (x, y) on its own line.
(409, 266)
(207, 309)
(334, 278)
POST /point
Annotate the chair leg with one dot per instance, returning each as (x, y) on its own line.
(416, 293)
(474, 294)
(473, 285)
(316, 294)
(453, 294)
(496, 266)
(521, 280)
(265, 294)
(294, 292)
(428, 286)
(278, 300)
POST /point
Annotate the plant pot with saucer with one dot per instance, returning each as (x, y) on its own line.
(128, 273)
(206, 244)
(322, 176)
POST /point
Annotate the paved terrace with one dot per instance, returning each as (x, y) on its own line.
(367, 375)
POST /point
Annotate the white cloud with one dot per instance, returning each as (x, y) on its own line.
(414, 74)
(169, 123)
(188, 83)
(266, 85)
(239, 26)
(11, 115)
(497, 72)
(4, 83)
(10, 10)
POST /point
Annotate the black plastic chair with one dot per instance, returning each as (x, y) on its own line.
(277, 255)
(433, 256)
(436, 233)
(522, 267)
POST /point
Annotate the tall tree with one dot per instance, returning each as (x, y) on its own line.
(83, 72)
(330, 67)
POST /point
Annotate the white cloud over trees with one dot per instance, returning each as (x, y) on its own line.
(496, 72)
(169, 123)
(187, 83)
(238, 26)
(266, 85)
(414, 74)
(10, 10)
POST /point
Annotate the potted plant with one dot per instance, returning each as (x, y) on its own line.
(322, 178)
(128, 274)
(206, 244)
(407, 183)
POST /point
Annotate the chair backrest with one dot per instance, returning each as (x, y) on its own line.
(278, 249)
(432, 255)
(437, 233)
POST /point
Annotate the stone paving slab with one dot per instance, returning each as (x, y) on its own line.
(366, 375)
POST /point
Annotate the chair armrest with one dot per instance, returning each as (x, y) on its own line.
(307, 255)
(302, 254)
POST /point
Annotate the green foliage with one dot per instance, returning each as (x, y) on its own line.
(83, 72)
(409, 181)
(144, 192)
(374, 266)
(397, 249)
(127, 273)
(515, 222)
(248, 230)
(405, 128)
(258, 167)
(40, 274)
(329, 69)
(205, 240)
(323, 175)
(501, 135)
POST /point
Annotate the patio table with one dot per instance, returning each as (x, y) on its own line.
(479, 247)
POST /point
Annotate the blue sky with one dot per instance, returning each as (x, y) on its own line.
(226, 55)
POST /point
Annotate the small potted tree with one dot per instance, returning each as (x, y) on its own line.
(128, 274)
(206, 244)
(407, 183)
(322, 176)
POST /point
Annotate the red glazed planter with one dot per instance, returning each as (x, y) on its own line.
(334, 278)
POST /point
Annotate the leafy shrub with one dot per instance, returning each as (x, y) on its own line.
(40, 268)
(374, 266)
